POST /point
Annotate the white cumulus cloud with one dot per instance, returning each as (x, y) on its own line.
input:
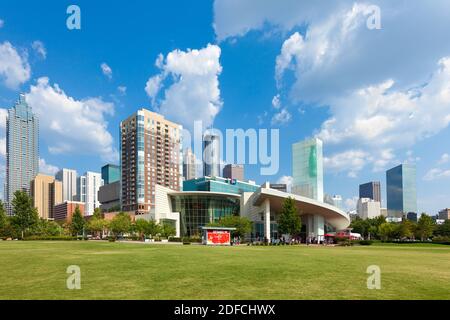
(47, 168)
(72, 126)
(193, 92)
(39, 47)
(14, 67)
(107, 71)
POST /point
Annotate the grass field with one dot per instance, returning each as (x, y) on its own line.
(37, 270)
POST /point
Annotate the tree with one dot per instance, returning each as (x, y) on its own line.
(425, 227)
(405, 229)
(97, 214)
(167, 230)
(289, 220)
(152, 229)
(5, 227)
(243, 225)
(25, 215)
(140, 226)
(386, 231)
(77, 224)
(120, 224)
(47, 228)
(3, 217)
(443, 230)
(96, 225)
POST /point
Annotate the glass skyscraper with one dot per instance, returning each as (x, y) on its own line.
(22, 149)
(307, 169)
(211, 155)
(371, 190)
(401, 190)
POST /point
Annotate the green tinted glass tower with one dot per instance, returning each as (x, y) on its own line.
(401, 190)
(307, 168)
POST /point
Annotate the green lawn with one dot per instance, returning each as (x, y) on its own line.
(37, 270)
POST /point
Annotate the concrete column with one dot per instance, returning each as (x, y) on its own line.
(267, 220)
(319, 227)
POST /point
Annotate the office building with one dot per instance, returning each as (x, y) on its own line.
(211, 155)
(371, 190)
(411, 216)
(68, 178)
(110, 173)
(46, 192)
(444, 214)
(401, 190)
(368, 208)
(234, 171)
(22, 150)
(150, 155)
(87, 190)
(109, 197)
(307, 169)
(189, 165)
(63, 212)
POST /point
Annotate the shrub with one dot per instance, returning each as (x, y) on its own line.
(441, 240)
(50, 238)
(175, 239)
(365, 242)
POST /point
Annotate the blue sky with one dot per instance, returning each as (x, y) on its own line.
(376, 97)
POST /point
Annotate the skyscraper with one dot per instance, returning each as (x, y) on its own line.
(211, 155)
(234, 171)
(371, 190)
(150, 155)
(88, 186)
(189, 165)
(68, 178)
(110, 173)
(401, 190)
(307, 168)
(46, 193)
(22, 149)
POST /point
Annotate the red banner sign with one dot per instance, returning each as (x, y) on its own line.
(218, 237)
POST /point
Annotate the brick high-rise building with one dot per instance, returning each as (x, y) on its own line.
(150, 154)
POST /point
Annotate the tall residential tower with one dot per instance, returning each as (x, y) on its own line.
(150, 154)
(22, 149)
(68, 178)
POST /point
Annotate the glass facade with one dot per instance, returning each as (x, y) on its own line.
(307, 169)
(110, 173)
(211, 155)
(197, 211)
(401, 190)
(22, 150)
(217, 184)
(371, 190)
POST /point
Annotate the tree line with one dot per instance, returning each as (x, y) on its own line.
(26, 223)
(424, 229)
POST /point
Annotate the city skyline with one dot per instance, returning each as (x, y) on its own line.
(243, 82)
